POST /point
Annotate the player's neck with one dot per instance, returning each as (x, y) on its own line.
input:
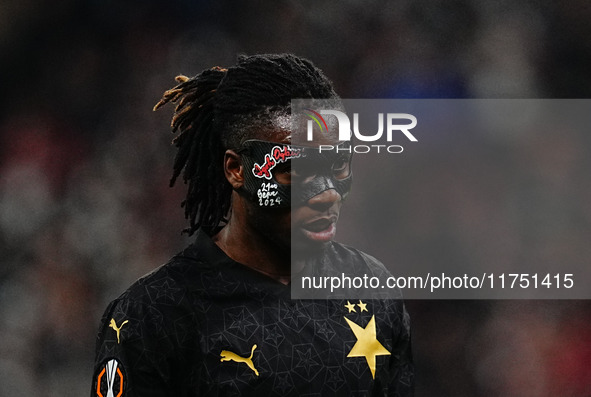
(249, 248)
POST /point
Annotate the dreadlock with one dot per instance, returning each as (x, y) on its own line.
(216, 110)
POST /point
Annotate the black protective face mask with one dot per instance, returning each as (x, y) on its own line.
(272, 169)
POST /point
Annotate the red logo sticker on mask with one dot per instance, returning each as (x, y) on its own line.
(279, 154)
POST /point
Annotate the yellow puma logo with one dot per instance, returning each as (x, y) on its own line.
(227, 355)
(117, 329)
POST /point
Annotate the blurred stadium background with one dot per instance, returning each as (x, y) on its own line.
(84, 165)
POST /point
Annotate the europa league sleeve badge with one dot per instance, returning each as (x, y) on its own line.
(110, 379)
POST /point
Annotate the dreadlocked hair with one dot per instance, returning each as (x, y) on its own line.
(217, 109)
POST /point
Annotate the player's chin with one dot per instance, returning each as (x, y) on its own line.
(310, 240)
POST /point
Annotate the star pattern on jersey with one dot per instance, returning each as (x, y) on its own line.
(183, 332)
(273, 334)
(306, 361)
(241, 321)
(323, 330)
(156, 320)
(217, 339)
(165, 289)
(293, 315)
(357, 367)
(283, 383)
(334, 378)
(220, 284)
(367, 344)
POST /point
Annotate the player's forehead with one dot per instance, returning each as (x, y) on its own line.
(291, 129)
(270, 134)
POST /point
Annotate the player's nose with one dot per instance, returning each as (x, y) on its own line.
(325, 199)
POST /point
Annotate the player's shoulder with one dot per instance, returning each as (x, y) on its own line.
(161, 300)
(169, 281)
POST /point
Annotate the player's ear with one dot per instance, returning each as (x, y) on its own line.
(233, 169)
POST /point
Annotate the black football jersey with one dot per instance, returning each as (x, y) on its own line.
(205, 325)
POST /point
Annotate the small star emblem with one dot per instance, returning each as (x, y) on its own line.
(362, 306)
(350, 306)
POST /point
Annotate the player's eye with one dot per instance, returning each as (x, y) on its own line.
(341, 167)
(302, 170)
(283, 173)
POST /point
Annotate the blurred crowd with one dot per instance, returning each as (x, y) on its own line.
(85, 206)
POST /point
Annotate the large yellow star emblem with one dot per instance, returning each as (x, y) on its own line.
(367, 344)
